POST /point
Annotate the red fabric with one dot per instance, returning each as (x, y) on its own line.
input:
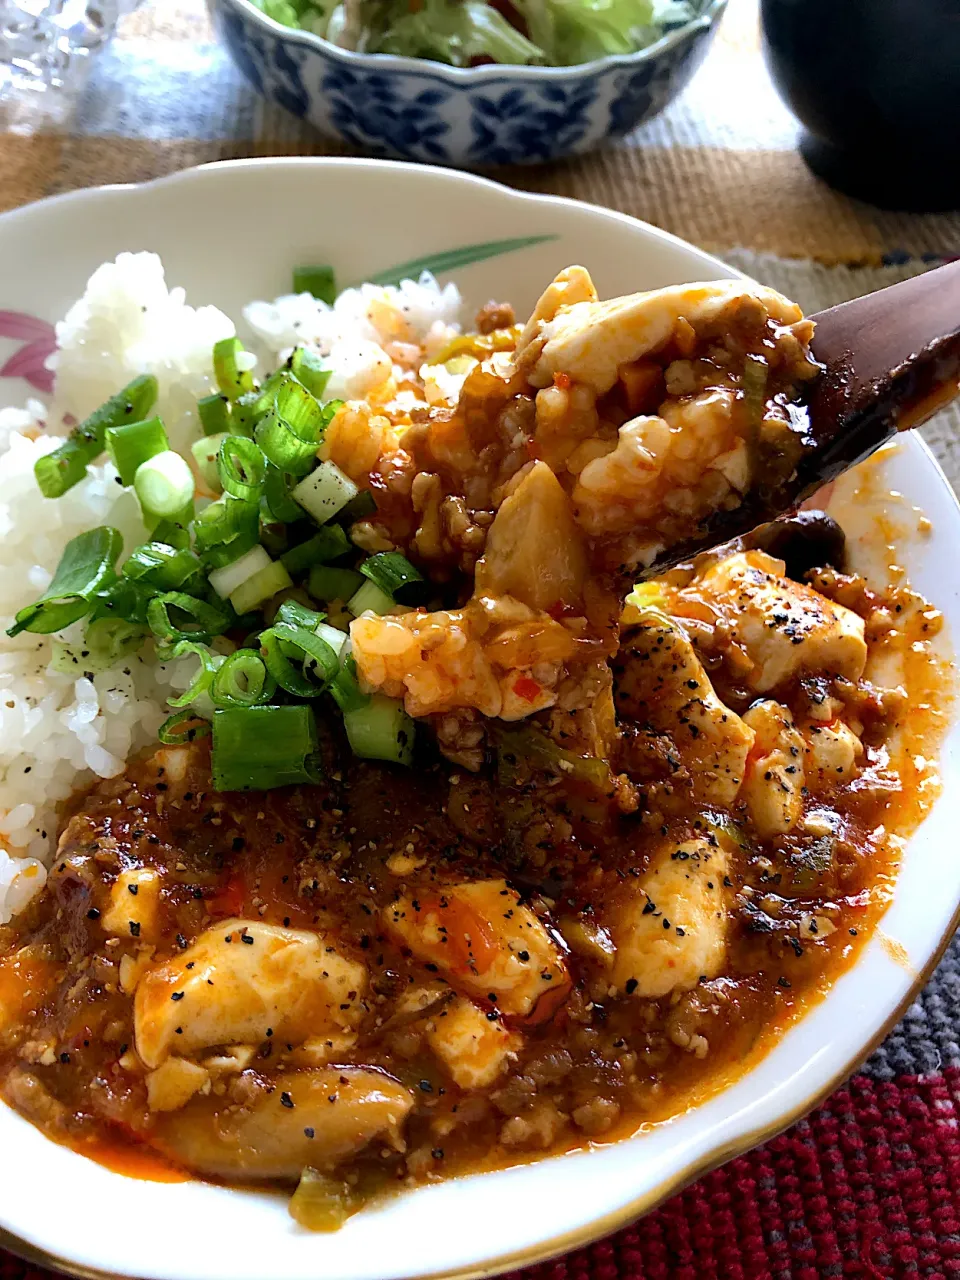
(868, 1186)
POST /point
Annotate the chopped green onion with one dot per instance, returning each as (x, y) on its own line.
(335, 638)
(245, 414)
(231, 379)
(318, 280)
(277, 489)
(242, 681)
(358, 508)
(242, 468)
(105, 642)
(183, 727)
(200, 685)
(381, 730)
(134, 443)
(256, 748)
(370, 599)
(273, 532)
(395, 576)
(282, 446)
(278, 644)
(328, 543)
(328, 583)
(202, 622)
(121, 599)
(59, 471)
(214, 412)
(205, 453)
(298, 615)
(164, 484)
(86, 567)
(260, 587)
(226, 580)
(308, 368)
(345, 689)
(324, 492)
(159, 565)
(225, 530)
(174, 532)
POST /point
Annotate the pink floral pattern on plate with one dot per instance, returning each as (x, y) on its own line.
(38, 341)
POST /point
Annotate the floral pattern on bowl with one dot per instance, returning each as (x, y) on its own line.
(476, 117)
(37, 342)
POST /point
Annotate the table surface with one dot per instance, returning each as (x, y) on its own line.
(869, 1185)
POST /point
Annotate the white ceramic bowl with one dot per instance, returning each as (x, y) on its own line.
(231, 232)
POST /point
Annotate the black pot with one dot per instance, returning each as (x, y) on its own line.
(876, 83)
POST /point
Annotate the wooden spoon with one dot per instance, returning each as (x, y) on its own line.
(891, 359)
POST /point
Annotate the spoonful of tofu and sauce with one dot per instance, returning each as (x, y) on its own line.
(607, 441)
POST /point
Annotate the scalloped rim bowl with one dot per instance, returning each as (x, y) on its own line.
(231, 232)
(477, 75)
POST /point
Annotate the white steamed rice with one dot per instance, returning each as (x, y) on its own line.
(60, 731)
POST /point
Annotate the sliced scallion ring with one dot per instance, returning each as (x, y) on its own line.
(328, 543)
(277, 490)
(307, 367)
(242, 681)
(279, 643)
(324, 492)
(241, 467)
(232, 380)
(225, 530)
(182, 727)
(164, 484)
(299, 615)
(199, 620)
(201, 682)
(214, 414)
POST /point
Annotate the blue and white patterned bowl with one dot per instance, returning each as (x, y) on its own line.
(469, 117)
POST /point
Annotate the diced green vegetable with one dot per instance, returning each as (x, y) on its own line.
(370, 598)
(260, 587)
(523, 752)
(324, 492)
(205, 453)
(256, 748)
(134, 443)
(231, 379)
(328, 543)
(59, 471)
(395, 576)
(318, 280)
(214, 414)
(164, 484)
(329, 583)
(308, 368)
(86, 566)
(381, 730)
(225, 581)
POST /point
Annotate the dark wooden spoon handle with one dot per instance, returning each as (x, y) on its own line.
(891, 359)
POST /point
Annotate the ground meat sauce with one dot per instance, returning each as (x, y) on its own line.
(589, 1049)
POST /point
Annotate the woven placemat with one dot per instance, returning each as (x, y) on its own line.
(869, 1185)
